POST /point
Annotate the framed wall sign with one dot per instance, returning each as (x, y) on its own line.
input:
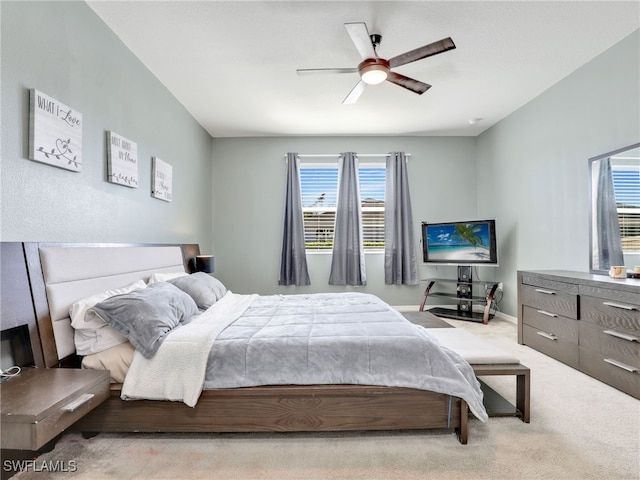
(55, 132)
(122, 160)
(161, 179)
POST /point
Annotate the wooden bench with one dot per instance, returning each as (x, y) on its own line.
(488, 360)
(495, 404)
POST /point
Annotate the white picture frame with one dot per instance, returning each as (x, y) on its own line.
(55, 132)
(161, 180)
(122, 160)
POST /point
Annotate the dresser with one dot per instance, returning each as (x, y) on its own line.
(589, 322)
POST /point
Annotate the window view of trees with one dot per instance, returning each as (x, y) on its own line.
(319, 185)
(626, 183)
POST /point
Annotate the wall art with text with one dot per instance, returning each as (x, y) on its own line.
(122, 160)
(161, 180)
(55, 132)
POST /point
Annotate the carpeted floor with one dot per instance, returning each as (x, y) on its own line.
(580, 429)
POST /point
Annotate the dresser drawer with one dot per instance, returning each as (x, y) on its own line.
(556, 325)
(556, 347)
(619, 376)
(547, 282)
(625, 294)
(611, 343)
(624, 316)
(551, 300)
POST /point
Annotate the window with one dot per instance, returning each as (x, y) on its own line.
(319, 185)
(626, 185)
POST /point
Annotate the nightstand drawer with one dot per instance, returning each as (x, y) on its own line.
(39, 404)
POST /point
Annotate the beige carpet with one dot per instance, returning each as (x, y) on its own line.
(580, 429)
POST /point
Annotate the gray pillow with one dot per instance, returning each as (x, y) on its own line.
(202, 287)
(146, 316)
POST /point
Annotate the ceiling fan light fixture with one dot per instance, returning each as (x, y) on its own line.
(374, 71)
(374, 76)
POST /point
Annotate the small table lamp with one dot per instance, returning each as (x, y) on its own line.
(205, 263)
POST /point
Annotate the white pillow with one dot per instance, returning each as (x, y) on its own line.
(78, 310)
(95, 340)
(165, 277)
(91, 333)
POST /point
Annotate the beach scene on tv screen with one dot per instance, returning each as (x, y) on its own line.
(459, 242)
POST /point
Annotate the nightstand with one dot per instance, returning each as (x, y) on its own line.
(40, 403)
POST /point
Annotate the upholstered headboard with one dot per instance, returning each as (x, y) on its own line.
(62, 274)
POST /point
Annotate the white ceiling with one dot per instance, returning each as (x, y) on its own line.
(232, 64)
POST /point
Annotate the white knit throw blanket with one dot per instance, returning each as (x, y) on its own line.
(177, 371)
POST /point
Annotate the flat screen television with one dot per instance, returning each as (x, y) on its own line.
(460, 243)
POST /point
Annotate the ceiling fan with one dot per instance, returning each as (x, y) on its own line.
(374, 70)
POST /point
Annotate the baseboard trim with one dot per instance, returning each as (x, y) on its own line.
(506, 317)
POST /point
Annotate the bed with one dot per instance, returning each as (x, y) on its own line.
(63, 274)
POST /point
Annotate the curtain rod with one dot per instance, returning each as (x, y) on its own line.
(329, 155)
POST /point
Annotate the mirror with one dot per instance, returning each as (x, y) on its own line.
(614, 233)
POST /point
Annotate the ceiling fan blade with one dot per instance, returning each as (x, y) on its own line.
(355, 93)
(360, 37)
(415, 86)
(313, 71)
(423, 52)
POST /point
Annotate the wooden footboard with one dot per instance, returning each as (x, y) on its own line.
(284, 409)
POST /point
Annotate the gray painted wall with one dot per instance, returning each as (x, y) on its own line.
(249, 180)
(529, 171)
(68, 53)
(535, 162)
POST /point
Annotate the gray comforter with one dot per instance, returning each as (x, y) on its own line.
(346, 338)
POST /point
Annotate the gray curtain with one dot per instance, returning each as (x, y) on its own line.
(347, 261)
(400, 251)
(609, 242)
(293, 263)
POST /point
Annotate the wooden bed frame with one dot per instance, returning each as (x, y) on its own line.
(255, 409)
(289, 408)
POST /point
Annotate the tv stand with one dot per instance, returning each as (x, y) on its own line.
(454, 314)
(464, 296)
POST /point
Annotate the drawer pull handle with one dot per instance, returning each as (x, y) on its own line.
(548, 314)
(550, 336)
(545, 291)
(624, 336)
(76, 404)
(621, 365)
(620, 305)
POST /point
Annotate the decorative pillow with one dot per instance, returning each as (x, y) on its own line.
(146, 316)
(91, 334)
(78, 310)
(115, 359)
(165, 277)
(202, 287)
